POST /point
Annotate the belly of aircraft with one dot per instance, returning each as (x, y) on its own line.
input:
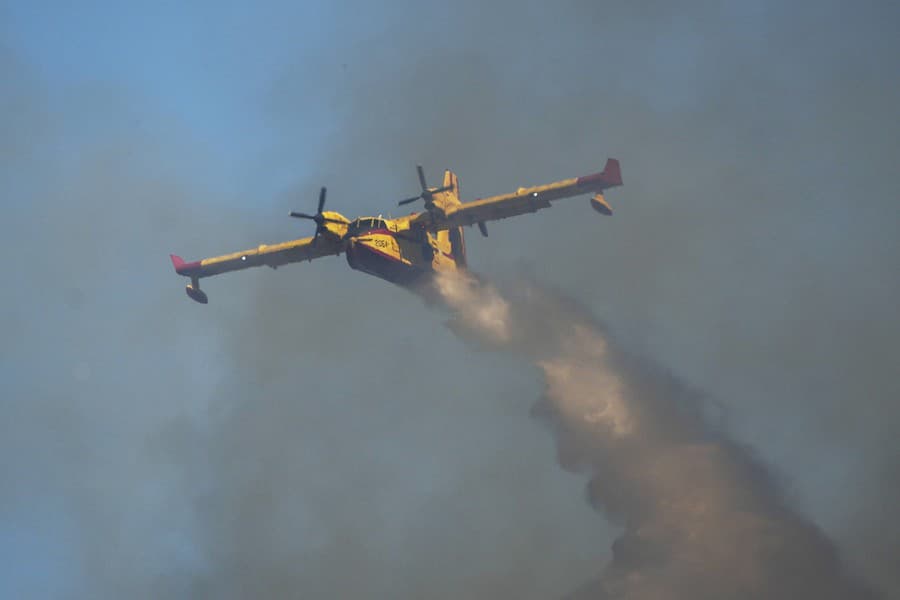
(380, 256)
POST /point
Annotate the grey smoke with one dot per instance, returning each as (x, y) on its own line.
(701, 516)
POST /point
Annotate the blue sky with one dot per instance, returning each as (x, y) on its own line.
(204, 65)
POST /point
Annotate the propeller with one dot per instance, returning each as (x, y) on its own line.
(319, 218)
(427, 194)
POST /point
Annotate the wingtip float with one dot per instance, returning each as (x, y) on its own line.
(190, 269)
(405, 249)
(610, 176)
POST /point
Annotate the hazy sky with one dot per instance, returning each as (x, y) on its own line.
(318, 432)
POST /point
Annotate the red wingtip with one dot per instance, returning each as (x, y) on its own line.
(611, 176)
(181, 267)
(611, 172)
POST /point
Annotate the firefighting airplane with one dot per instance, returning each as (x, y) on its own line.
(405, 249)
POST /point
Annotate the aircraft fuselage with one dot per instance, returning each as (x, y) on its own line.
(400, 256)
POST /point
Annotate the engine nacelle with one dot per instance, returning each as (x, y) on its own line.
(599, 203)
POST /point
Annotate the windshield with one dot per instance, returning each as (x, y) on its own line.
(366, 224)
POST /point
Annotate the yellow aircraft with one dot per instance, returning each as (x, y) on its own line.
(405, 249)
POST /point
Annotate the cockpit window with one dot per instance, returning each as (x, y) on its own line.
(362, 225)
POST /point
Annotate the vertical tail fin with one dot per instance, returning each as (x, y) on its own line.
(450, 196)
(455, 234)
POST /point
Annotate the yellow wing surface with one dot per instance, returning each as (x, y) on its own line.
(531, 199)
(271, 255)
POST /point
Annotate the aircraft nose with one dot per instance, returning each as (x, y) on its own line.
(352, 248)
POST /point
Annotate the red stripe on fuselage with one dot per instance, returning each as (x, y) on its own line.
(393, 235)
(359, 245)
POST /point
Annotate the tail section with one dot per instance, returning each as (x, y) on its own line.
(456, 236)
(450, 194)
(451, 181)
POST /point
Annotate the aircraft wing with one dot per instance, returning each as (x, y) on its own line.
(532, 199)
(271, 255)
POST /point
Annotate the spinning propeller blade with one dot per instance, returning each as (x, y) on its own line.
(421, 173)
(321, 200)
(319, 218)
(427, 194)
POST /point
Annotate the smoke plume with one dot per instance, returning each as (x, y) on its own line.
(701, 516)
